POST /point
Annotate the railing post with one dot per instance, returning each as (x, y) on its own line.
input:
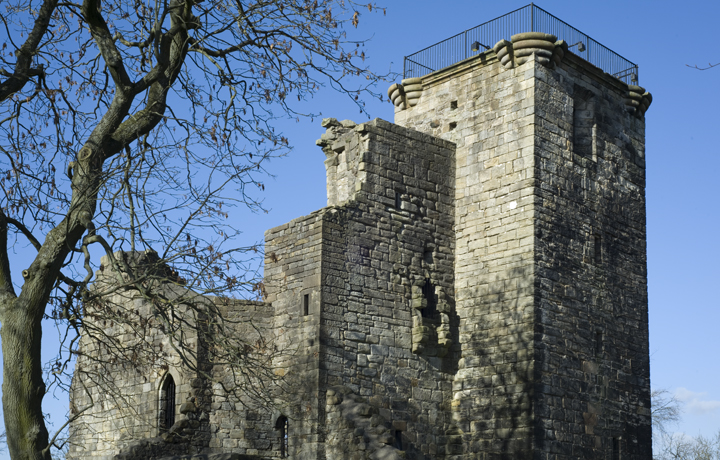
(532, 17)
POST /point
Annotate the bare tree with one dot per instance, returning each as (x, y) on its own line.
(682, 447)
(665, 410)
(137, 125)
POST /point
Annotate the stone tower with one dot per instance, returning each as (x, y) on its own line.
(475, 289)
(550, 249)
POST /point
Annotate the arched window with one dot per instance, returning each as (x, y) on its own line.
(283, 426)
(166, 414)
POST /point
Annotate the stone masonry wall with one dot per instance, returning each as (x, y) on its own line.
(239, 415)
(119, 390)
(550, 263)
(390, 239)
(292, 280)
(117, 394)
(488, 111)
(475, 289)
(593, 393)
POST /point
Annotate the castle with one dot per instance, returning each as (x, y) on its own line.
(476, 287)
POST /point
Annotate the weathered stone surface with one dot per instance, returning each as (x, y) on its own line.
(475, 288)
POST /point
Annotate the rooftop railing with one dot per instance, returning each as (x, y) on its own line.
(530, 18)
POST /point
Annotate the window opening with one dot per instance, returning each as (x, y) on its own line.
(598, 249)
(453, 125)
(616, 449)
(167, 404)
(428, 291)
(306, 304)
(598, 342)
(398, 201)
(283, 425)
(584, 124)
(453, 105)
(428, 256)
(398, 444)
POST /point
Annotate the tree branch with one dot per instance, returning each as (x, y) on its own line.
(106, 44)
(6, 287)
(710, 66)
(25, 232)
(23, 70)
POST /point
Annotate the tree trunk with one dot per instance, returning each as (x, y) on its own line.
(23, 386)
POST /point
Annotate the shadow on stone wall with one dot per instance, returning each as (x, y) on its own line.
(496, 417)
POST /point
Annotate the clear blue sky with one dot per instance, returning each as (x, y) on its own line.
(683, 164)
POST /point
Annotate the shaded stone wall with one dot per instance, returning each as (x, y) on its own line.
(593, 388)
(388, 241)
(238, 413)
(489, 112)
(550, 263)
(292, 279)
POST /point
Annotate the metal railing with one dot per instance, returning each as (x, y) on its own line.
(529, 18)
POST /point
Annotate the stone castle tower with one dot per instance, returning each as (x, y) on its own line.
(475, 289)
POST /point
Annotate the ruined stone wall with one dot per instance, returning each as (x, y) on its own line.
(292, 280)
(118, 390)
(593, 392)
(389, 240)
(237, 411)
(488, 111)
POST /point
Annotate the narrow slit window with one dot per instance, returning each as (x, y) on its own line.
(284, 427)
(398, 201)
(306, 304)
(585, 132)
(616, 449)
(167, 404)
(598, 343)
(428, 256)
(398, 444)
(597, 248)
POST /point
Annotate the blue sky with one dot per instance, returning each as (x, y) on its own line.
(683, 165)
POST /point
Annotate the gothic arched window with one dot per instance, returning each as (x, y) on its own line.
(166, 414)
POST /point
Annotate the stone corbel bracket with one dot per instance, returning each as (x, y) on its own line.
(406, 93)
(561, 48)
(540, 44)
(637, 100)
(504, 51)
(548, 50)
